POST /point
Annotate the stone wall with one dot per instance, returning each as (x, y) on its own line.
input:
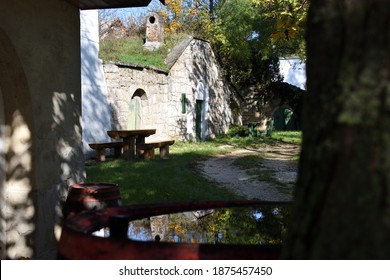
(195, 73)
(125, 81)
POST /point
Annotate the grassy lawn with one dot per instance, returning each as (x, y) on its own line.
(287, 136)
(173, 180)
(274, 137)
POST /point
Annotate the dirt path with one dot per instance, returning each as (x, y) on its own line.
(272, 175)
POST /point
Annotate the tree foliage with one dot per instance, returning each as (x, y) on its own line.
(274, 24)
(248, 35)
(189, 16)
(274, 27)
(281, 24)
(249, 31)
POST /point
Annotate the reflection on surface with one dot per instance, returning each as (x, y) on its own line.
(256, 225)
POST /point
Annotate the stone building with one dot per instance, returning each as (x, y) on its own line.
(281, 97)
(191, 101)
(40, 119)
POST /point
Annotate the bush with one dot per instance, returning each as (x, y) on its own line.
(237, 131)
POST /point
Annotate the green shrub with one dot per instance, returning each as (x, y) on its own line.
(237, 131)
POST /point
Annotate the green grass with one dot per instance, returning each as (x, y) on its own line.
(130, 50)
(287, 136)
(174, 180)
(293, 137)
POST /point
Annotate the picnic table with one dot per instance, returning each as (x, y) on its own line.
(130, 138)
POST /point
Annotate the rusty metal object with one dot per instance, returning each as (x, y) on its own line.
(91, 196)
(76, 241)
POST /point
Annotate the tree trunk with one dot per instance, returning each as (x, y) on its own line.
(342, 200)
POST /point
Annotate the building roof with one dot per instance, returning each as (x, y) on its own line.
(177, 51)
(179, 48)
(105, 4)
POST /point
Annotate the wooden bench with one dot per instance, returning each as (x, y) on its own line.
(146, 150)
(100, 149)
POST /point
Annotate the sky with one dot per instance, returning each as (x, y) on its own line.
(153, 6)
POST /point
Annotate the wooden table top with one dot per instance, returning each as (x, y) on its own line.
(116, 134)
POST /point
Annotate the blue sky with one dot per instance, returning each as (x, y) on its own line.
(154, 5)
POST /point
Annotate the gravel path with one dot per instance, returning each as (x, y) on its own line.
(274, 161)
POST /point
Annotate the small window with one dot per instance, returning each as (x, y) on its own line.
(183, 103)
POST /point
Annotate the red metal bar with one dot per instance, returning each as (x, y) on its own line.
(77, 242)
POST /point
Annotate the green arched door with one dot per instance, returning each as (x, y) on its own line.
(134, 118)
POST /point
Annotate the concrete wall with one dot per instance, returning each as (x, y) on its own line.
(40, 85)
(95, 107)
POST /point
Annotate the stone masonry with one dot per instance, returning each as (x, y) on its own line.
(194, 73)
(124, 82)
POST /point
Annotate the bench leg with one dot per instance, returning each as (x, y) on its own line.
(164, 152)
(101, 154)
(140, 153)
(117, 151)
(148, 154)
(128, 148)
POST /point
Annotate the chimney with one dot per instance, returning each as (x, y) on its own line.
(154, 32)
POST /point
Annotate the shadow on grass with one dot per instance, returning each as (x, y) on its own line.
(174, 180)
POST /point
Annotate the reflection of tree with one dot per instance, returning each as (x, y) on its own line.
(252, 226)
(246, 226)
(266, 225)
(140, 230)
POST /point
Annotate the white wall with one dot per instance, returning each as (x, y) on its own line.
(2, 179)
(40, 84)
(95, 107)
(197, 74)
(293, 71)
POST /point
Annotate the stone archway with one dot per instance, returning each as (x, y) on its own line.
(17, 210)
(136, 105)
(141, 94)
(283, 119)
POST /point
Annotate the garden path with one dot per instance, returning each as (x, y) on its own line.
(271, 176)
